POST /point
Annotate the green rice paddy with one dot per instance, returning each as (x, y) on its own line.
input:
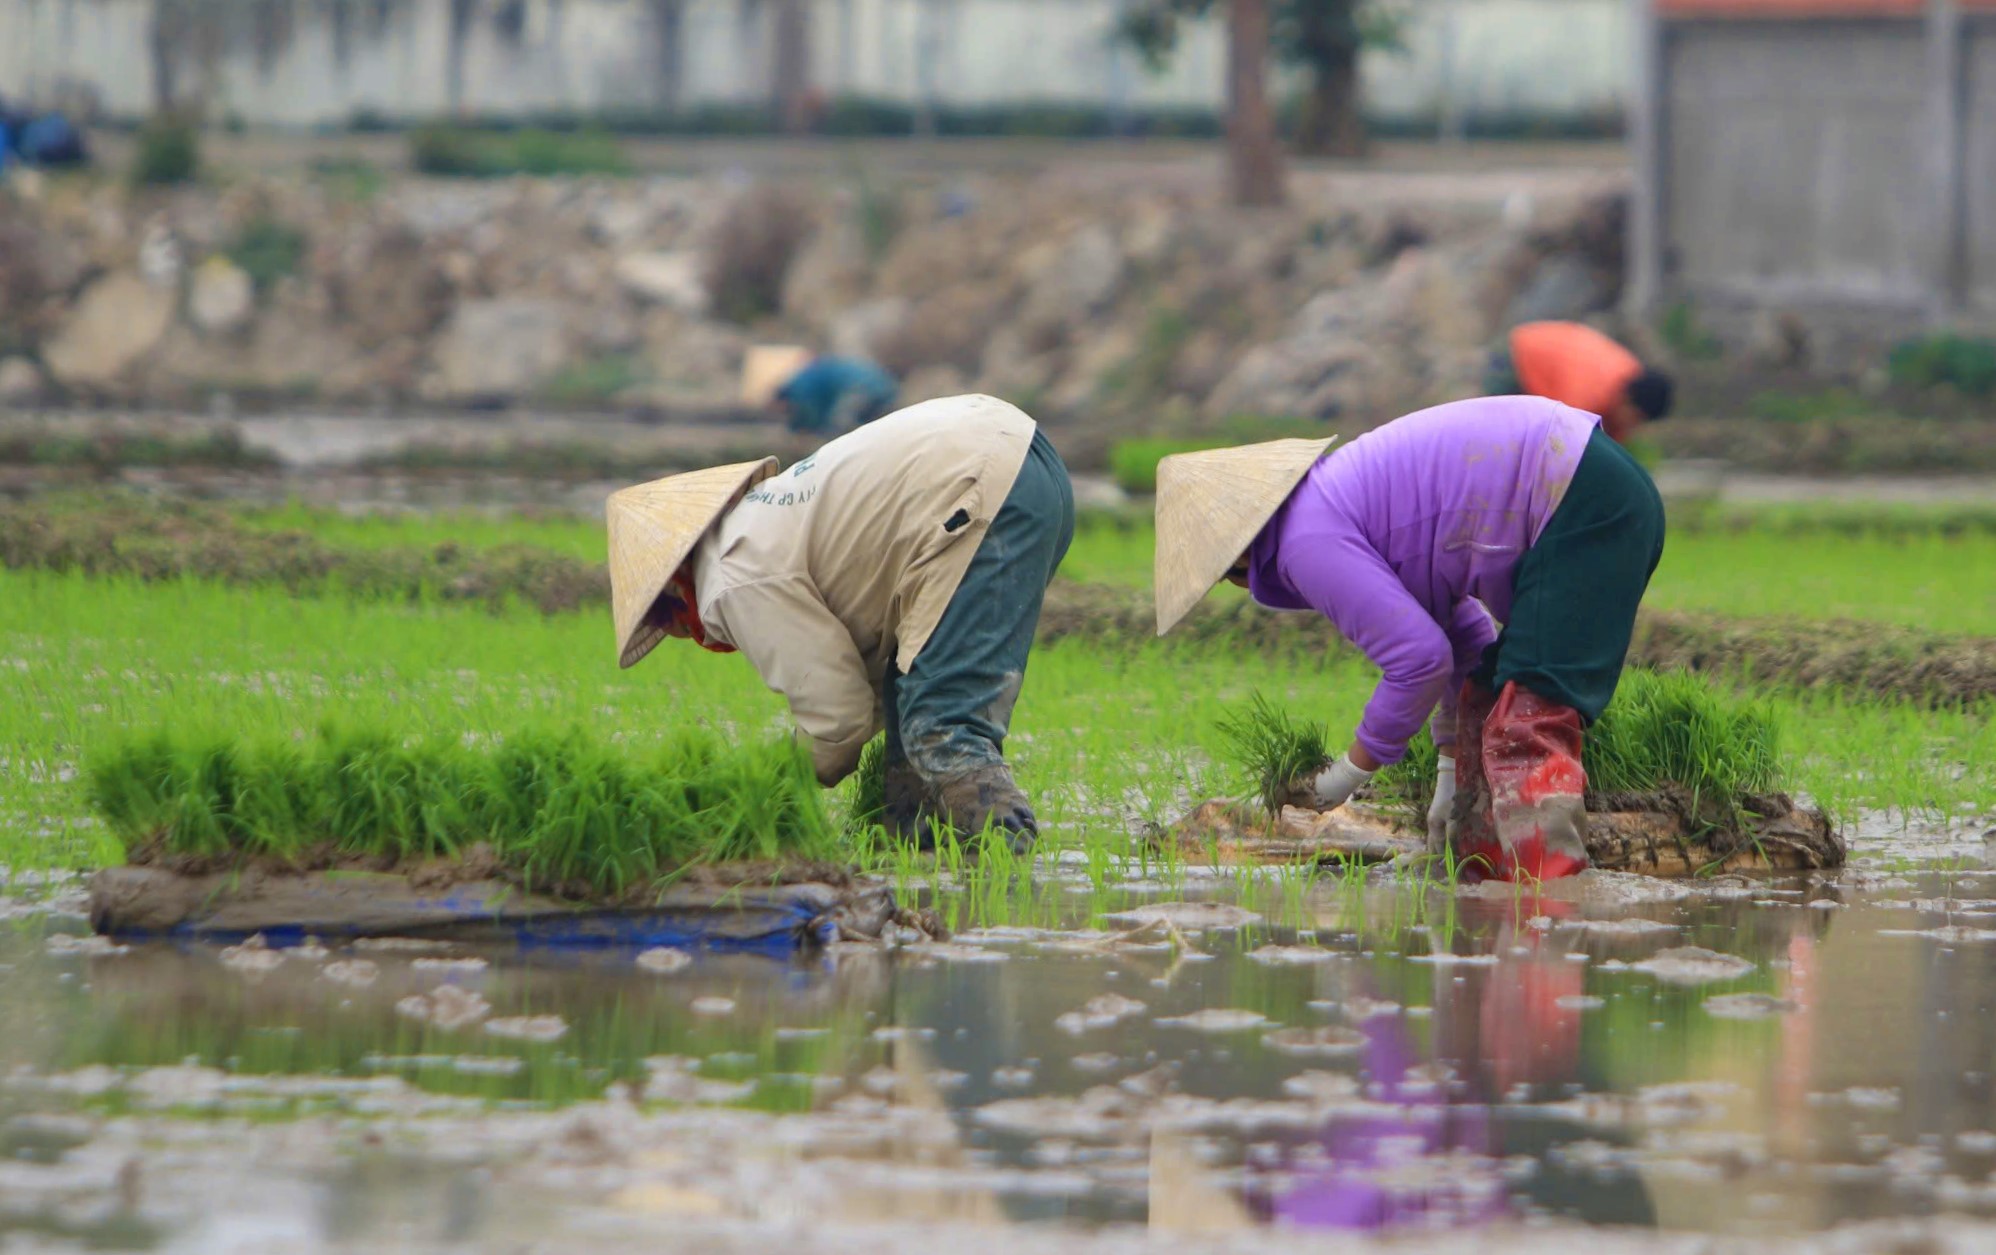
(1931, 569)
(1106, 738)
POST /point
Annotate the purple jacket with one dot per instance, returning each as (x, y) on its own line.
(1398, 536)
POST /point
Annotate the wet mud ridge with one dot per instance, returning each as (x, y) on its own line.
(784, 911)
(1657, 834)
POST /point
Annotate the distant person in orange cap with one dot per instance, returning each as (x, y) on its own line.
(1576, 365)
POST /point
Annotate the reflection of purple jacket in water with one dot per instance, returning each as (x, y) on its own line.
(1400, 1169)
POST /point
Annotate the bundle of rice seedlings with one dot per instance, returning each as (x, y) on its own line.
(1675, 728)
(559, 810)
(1276, 748)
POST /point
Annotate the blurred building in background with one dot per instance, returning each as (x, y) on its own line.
(1545, 66)
(1818, 154)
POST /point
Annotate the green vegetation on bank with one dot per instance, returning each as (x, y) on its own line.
(268, 249)
(447, 149)
(109, 451)
(1946, 360)
(168, 151)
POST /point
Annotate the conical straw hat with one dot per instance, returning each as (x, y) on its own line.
(1210, 507)
(767, 367)
(652, 528)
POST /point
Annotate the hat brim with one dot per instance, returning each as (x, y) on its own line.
(1210, 507)
(653, 527)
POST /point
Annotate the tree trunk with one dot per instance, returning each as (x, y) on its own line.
(1331, 125)
(1254, 162)
(793, 66)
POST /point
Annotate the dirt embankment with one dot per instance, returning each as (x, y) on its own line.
(1875, 445)
(1878, 659)
(178, 539)
(172, 540)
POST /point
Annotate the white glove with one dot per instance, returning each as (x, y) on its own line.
(1440, 810)
(1334, 785)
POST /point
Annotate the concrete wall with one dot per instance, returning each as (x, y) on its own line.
(1506, 57)
(1979, 166)
(1821, 163)
(1790, 166)
(312, 62)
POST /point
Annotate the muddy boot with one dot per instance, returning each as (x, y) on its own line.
(905, 810)
(987, 795)
(1531, 757)
(1472, 830)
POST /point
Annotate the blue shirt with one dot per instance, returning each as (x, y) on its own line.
(833, 393)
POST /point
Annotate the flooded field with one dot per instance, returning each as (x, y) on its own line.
(1116, 1050)
(1742, 1057)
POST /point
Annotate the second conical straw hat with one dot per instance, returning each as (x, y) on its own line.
(652, 528)
(767, 367)
(1210, 507)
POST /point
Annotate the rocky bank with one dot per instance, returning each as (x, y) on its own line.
(1078, 293)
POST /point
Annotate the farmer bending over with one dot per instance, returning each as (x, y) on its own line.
(1517, 503)
(891, 580)
(1575, 365)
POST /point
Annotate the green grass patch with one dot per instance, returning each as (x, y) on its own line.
(267, 249)
(560, 808)
(465, 152)
(595, 380)
(1133, 463)
(168, 152)
(109, 451)
(1965, 363)
(1930, 569)
(1930, 580)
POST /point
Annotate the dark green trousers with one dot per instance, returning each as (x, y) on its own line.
(1573, 607)
(950, 712)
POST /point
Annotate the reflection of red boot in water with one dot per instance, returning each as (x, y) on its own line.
(1520, 811)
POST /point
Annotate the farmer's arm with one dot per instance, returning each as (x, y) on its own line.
(803, 652)
(1471, 630)
(1350, 584)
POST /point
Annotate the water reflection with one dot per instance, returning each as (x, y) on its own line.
(1347, 1061)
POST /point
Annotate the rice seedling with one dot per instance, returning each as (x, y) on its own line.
(562, 811)
(866, 790)
(1276, 749)
(1662, 730)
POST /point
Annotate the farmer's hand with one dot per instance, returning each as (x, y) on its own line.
(1334, 785)
(1440, 809)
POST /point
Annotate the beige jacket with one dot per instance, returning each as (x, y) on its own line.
(845, 561)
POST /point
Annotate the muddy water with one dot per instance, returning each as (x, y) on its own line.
(1750, 1059)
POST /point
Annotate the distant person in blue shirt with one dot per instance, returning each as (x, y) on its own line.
(836, 394)
(46, 139)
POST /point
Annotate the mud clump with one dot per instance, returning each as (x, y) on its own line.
(1691, 965)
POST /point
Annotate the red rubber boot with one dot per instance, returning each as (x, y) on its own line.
(1531, 757)
(1478, 853)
